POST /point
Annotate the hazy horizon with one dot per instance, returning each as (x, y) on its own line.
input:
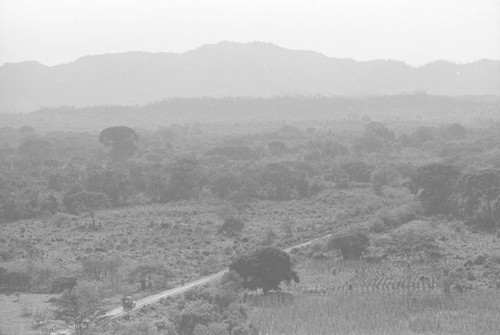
(252, 42)
(60, 31)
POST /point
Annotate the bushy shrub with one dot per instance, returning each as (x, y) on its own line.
(70, 205)
(6, 254)
(358, 171)
(234, 152)
(60, 219)
(14, 280)
(213, 310)
(368, 142)
(19, 207)
(456, 131)
(225, 184)
(151, 275)
(116, 184)
(414, 241)
(377, 226)
(423, 134)
(62, 284)
(383, 176)
(405, 170)
(50, 204)
(196, 312)
(41, 276)
(277, 148)
(141, 328)
(400, 215)
(231, 227)
(95, 268)
(316, 186)
(269, 237)
(184, 181)
(380, 130)
(351, 245)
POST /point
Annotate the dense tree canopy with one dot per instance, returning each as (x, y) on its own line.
(35, 151)
(122, 141)
(434, 184)
(266, 268)
(480, 190)
(380, 130)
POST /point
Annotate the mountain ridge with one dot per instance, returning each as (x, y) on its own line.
(222, 43)
(254, 69)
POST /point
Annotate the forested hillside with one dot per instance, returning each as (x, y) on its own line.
(227, 70)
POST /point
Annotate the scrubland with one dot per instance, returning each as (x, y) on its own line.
(137, 211)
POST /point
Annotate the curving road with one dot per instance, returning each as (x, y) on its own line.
(119, 311)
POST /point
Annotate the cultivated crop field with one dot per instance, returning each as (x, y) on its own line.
(456, 293)
(380, 313)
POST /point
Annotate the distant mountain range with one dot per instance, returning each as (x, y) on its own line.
(229, 69)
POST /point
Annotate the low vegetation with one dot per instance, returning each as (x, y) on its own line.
(411, 215)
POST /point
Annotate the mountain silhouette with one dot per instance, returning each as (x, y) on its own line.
(228, 69)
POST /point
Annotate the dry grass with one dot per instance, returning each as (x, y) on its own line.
(19, 312)
(180, 235)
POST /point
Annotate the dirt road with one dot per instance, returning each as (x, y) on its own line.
(119, 311)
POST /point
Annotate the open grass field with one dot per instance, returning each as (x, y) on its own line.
(19, 313)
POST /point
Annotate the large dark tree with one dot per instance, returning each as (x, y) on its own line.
(231, 227)
(122, 141)
(351, 245)
(266, 268)
(434, 184)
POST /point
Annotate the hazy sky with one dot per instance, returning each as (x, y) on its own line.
(414, 31)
